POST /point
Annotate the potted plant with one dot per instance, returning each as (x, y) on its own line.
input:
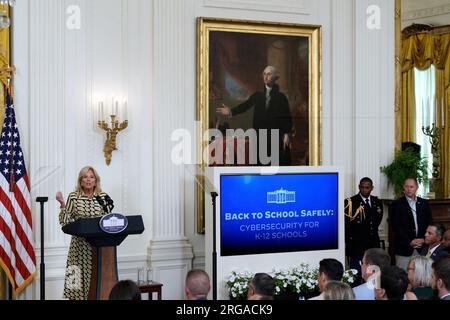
(406, 163)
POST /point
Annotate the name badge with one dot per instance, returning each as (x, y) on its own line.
(113, 223)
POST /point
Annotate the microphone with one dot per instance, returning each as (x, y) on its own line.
(109, 202)
(102, 203)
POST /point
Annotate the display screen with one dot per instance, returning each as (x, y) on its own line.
(278, 213)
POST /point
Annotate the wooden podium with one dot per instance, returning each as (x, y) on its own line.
(104, 254)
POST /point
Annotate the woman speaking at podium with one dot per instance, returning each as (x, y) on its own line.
(81, 203)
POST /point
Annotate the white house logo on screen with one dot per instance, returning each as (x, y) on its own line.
(280, 196)
(113, 223)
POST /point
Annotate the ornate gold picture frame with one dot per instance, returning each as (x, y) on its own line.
(231, 57)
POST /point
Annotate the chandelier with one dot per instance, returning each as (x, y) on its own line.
(5, 21)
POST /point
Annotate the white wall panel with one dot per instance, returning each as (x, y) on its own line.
(145, 51)
(374, 92)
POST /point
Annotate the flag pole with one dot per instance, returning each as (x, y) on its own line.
(214, 252)
(42, 200)
(10, 291)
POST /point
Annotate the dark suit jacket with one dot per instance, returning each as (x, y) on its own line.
(402, 223)
(361, 231)
(437, 254)
(276, 116)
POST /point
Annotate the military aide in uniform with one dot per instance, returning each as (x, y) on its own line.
(363, 214)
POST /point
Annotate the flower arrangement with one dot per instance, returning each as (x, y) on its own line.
(300, 280)
(237, 284)
(349, 276)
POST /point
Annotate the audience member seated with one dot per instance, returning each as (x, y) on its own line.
(446, 241)
(197, 285)
(393, 285)
(125, 290)
(262, 287)
(337, 290)
(419, 277)
(441, 278)
(373, 260)
(433, 247)
(329, 269)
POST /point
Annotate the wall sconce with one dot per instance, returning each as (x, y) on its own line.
(113, 128)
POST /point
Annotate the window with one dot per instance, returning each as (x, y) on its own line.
(424, 82)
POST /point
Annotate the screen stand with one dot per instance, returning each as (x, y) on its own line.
(214, 252)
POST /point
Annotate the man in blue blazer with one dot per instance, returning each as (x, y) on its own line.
(410, 217)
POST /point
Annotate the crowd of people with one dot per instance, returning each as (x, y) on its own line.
(421, 270)
(425, 280)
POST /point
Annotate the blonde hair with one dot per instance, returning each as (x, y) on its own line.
(337, 290)
(83, 172)
(422, 271)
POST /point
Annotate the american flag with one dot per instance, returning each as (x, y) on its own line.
(17, 258)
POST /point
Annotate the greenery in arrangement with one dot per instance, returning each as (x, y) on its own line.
(237, 284)
(406, 163)
(300, 280)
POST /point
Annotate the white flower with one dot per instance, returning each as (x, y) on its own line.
(300, 279)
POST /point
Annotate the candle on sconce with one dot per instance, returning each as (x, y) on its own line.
(436, 110)
(125, 114)
(116, 109)
(112, 106)
(101, 111)
(423, 113)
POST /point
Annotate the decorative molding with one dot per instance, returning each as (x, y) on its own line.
(46, 109)
(427, 12)
(55, 267)
(283, 6)
(199, 261)
(125, 146)
(170, 109)
(170, 259)
(338, 106)
(161, 250)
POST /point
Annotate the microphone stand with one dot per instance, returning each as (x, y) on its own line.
(42, 200)
(214, 252)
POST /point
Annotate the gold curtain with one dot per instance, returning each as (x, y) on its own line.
(421, 51)
(4, 65)
(408, 111)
